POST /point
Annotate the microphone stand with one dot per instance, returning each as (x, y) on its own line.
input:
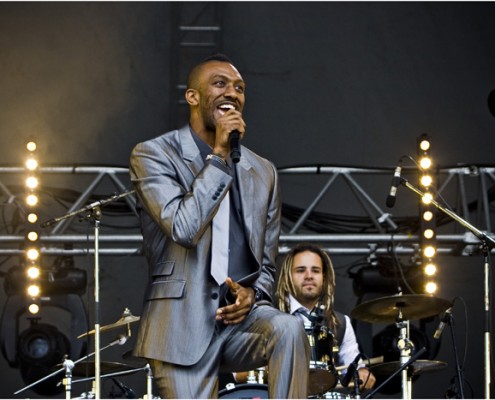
(459, 371)
(93, 211)
(68, 366)
(487, 242)
(401, 369)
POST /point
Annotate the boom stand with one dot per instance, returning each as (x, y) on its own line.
(487, 242)
(94, 212)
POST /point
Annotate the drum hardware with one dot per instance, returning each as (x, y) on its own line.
(92, 212)
(244, 391)
(256, 376)
(69, 365)
(126, 319)
(400, 309)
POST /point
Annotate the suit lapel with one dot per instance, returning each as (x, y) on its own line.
(190, 151)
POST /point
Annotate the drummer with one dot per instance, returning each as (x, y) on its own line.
(307, 283)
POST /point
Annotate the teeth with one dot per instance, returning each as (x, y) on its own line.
(226, 107)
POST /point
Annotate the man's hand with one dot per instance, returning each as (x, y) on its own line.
(368, 379)
(244, 300)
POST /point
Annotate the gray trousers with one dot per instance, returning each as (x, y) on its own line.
(267, 337)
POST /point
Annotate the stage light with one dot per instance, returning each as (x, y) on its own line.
(429, 251)
(32, 254)
(32, 218)
(34, 308)
(424, 144)
(32, 182)
(31, 164)
(40, 348)
(31, 146)
(31, 200)
(430, 269)
(428, 216)
(426, 180)
(32, 236)
(429, 233)
(425, 162)
(431, 287)
(33, 290)
(426, 199)
(33, 272)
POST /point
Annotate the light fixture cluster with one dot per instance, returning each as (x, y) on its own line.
(427, 214)
(32, 248)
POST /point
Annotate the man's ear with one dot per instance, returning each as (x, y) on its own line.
(192, 97)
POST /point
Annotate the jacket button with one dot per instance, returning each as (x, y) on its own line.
(214, 296)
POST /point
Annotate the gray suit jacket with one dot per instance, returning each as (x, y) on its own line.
(178, 195)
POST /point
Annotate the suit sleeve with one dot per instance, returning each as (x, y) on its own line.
(181, 204)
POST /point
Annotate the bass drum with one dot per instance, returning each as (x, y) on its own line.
(244, 391)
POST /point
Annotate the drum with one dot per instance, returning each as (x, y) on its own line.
(244, 391)
(321, 379)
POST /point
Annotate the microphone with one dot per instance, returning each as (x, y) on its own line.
(128, 392)
(396, 180)
(441, 326)
(351, 370)
(235, 146)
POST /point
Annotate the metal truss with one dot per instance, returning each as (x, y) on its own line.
(339, 208)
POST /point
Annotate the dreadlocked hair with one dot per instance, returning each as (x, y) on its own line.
(285, 285)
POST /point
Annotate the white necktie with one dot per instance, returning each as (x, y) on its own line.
(220, 242)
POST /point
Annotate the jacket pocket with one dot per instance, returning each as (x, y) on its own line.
(167, 289)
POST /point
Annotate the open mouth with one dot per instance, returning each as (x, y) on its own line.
(224, 107)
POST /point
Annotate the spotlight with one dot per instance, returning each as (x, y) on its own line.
(426, 180)
(429, 233)
(31, 164)
(32, 218)
(427, 216)
(34, 308)
(33, 272)
(32, 254)
(430, 269)
(427, 198)
(31, 146)
(429, 251)
(33, 290)
(32, 236)
(431, 287)
(32, 182)
(40, 348)
(31, 200)
(425, 162)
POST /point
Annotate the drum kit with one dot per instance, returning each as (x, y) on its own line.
(87, 369)
(328, 381)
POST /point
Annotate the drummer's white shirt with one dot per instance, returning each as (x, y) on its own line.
(348, 349)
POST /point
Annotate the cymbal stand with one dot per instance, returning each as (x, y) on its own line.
(487, 243)
(400, 370)
(405, 346)
(68, 366)
(459, 368)
(149, 383)
(67, 381)
(93, 211)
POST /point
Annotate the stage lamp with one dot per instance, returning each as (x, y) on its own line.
(33, 290)
(33, 272)
(429, 233)
(425, 162)
(430, 269)
(426, 199)
(32, 218)
(431, 288)
(429, 251)
(426, 180)
(424, 142)
(34, 308)
(32, 182)
(31, 200)
(32, 254)
(31, 164)
(31, 145)
(32, 236)
(40, 348)
(427, 215)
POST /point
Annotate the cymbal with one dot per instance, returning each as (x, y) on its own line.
(412, 306)
(417, 367)
(320, 381)
(88, 368)
(127, 318)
